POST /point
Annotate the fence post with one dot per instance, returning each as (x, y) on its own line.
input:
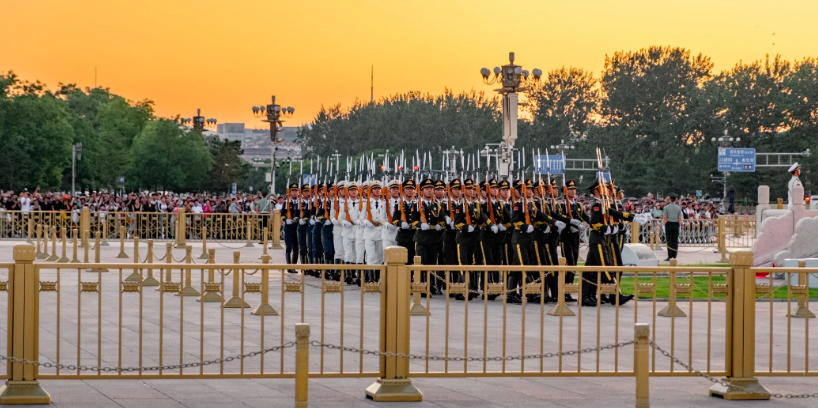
(394, 383)
(85, 222)
(76, 245)
(235, 301)
(249, 229)
(86, 245)
(802, 308)
(53, 256)
(264, 308)
(22, 386)
(741, 327)
(265, 234)
(122, 253)
(64, 258)
(634, 232)
(302, 364)
(42, 231)
(38, 254)
(671, 310)
(560, 309)
(136, 275)
(181, 229)
(641, 366)
(97, 238)
(417, 308)
(722, 240)
(103, 226)
(188, 290)
(30, 230)
(212, 291)
(150, 280)
(277, 230)
(204, 254)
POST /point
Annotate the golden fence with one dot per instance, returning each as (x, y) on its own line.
(191, 320)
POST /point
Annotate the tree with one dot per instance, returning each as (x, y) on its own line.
(566, 101)
(166, 156)
(228, 166)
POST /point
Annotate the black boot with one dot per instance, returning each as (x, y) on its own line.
(589, 301)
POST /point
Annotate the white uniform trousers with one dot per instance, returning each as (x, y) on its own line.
(374, 252)
(360, 245)
(338, 241)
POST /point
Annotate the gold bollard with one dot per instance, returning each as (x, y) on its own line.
(780, 203)
(276, 230)
(671, 310)
(265, 236)
(212, 289)
(74, 233)
(634, 232)
(302, 364)
(122, 253)
(53, 256)
(64, 258)
(417, 308)
(86, 236)
(560, 309)
(249, 243)
(30, 231)
(802, 308)
(150, 280)
(641, 368)
(44, 236)
(168, 269)
(103, 227)
(136, 275)
(38, 254)
(236, 301)
(722, 239)
(204, 254)
(22, 386)
(188, 290)
(264, 308)
(97, 239)
(181, 228)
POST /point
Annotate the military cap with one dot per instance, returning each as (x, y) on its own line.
(427, 183)
(340, 184)
(319, 185)
(375, 184)
(673, 195)
(440, 185)
(572, 185)
(492, 183)
(504, 185)
(518, 184)
(293, 186)
(594, 184)
(469, 183)
(454, 183)
(329, 185)
(529, 184)
(795, 166)
(352, 186)
(554, 182)
(394, 183)
(409, 184)
(482, 185)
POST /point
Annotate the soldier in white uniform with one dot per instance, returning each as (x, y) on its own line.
(360, 216)
(348, 216)
(795, 170)
(338, 229)
(389, 232)
(373, 222)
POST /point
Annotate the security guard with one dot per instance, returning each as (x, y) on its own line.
(291, 216)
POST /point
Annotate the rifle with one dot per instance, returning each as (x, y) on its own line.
(368, 202)
(488, 201)
(400, 199)
(465, 203)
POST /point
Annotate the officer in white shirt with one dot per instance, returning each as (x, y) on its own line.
(795, 170)
(373, 223)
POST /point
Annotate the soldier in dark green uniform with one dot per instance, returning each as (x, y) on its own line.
(468, 220)
(428, 218)
(569, 238)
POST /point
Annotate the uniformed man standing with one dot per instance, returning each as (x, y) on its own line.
(291, 216)
(428, 218)
(304, 231)
(569, 238)
(402, 218)
(338, 228)
(375, 218)
(795, 170)
(327, 236)
(492, 243)
(348, 216)
(389, 232)
(450, 252)
(469, 218)
(317, 226)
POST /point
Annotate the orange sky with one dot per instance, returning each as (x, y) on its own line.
(226, 56)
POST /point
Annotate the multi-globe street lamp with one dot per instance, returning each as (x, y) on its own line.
(273, 114)
(199, 122)
(512, 77)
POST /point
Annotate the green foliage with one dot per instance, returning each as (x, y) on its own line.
(166, 157)
(228, 166)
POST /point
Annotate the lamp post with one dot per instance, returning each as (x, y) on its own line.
(76, 154)
(199, 122)
(724, 141)
(273, 113)
(511, 77)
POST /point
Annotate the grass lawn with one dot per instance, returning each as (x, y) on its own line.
(700, 289)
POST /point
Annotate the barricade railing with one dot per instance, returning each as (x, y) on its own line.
(76, 309)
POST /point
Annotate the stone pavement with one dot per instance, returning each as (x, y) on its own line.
(349, 392)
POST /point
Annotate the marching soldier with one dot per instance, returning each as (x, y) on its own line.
(304, 232)
(506, 199)
(468, 220)
(493, 242)
(428, 217)
(402, 218)
(327, 236)
(338, 228)
(348, 216)
(317, 227)
(450, 251)
(440, 198)
(291, 214)
(375, 218)
(569, 238)
(552, 238)
(389, 232)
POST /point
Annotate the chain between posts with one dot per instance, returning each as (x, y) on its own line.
(316, 343)
(71, 367)
(723, 382)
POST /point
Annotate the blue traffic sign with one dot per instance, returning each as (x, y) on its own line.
(553, 164)
(738, 160)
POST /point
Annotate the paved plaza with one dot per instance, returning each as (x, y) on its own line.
(174, 329)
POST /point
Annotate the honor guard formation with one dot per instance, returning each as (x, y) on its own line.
(459, 221)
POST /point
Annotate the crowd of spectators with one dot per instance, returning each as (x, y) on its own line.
(693, 208)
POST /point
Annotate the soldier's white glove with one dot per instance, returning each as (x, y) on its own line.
(530, 229)
(494, 229)
(583, 227)
(368, 224)
(301, 221)
(575, 222)
(424, 226)
(642, 219)
(615, 230)
(574, 229)
(451, 225)
(289, 221)
(391, 227)
(607, 230)
(334, 221)
(312, 222)
(560, 226)
(471, 228)
(346, 223)
(328, 222)
(404, 225)
(501, 227)
(438, 227)
(448, 220)
(547, 229)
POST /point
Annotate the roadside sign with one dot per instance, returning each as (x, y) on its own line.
(698, 193)
(554, 163)
(738, 160)
(234, 188)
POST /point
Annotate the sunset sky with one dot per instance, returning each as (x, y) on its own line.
(226, 56)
